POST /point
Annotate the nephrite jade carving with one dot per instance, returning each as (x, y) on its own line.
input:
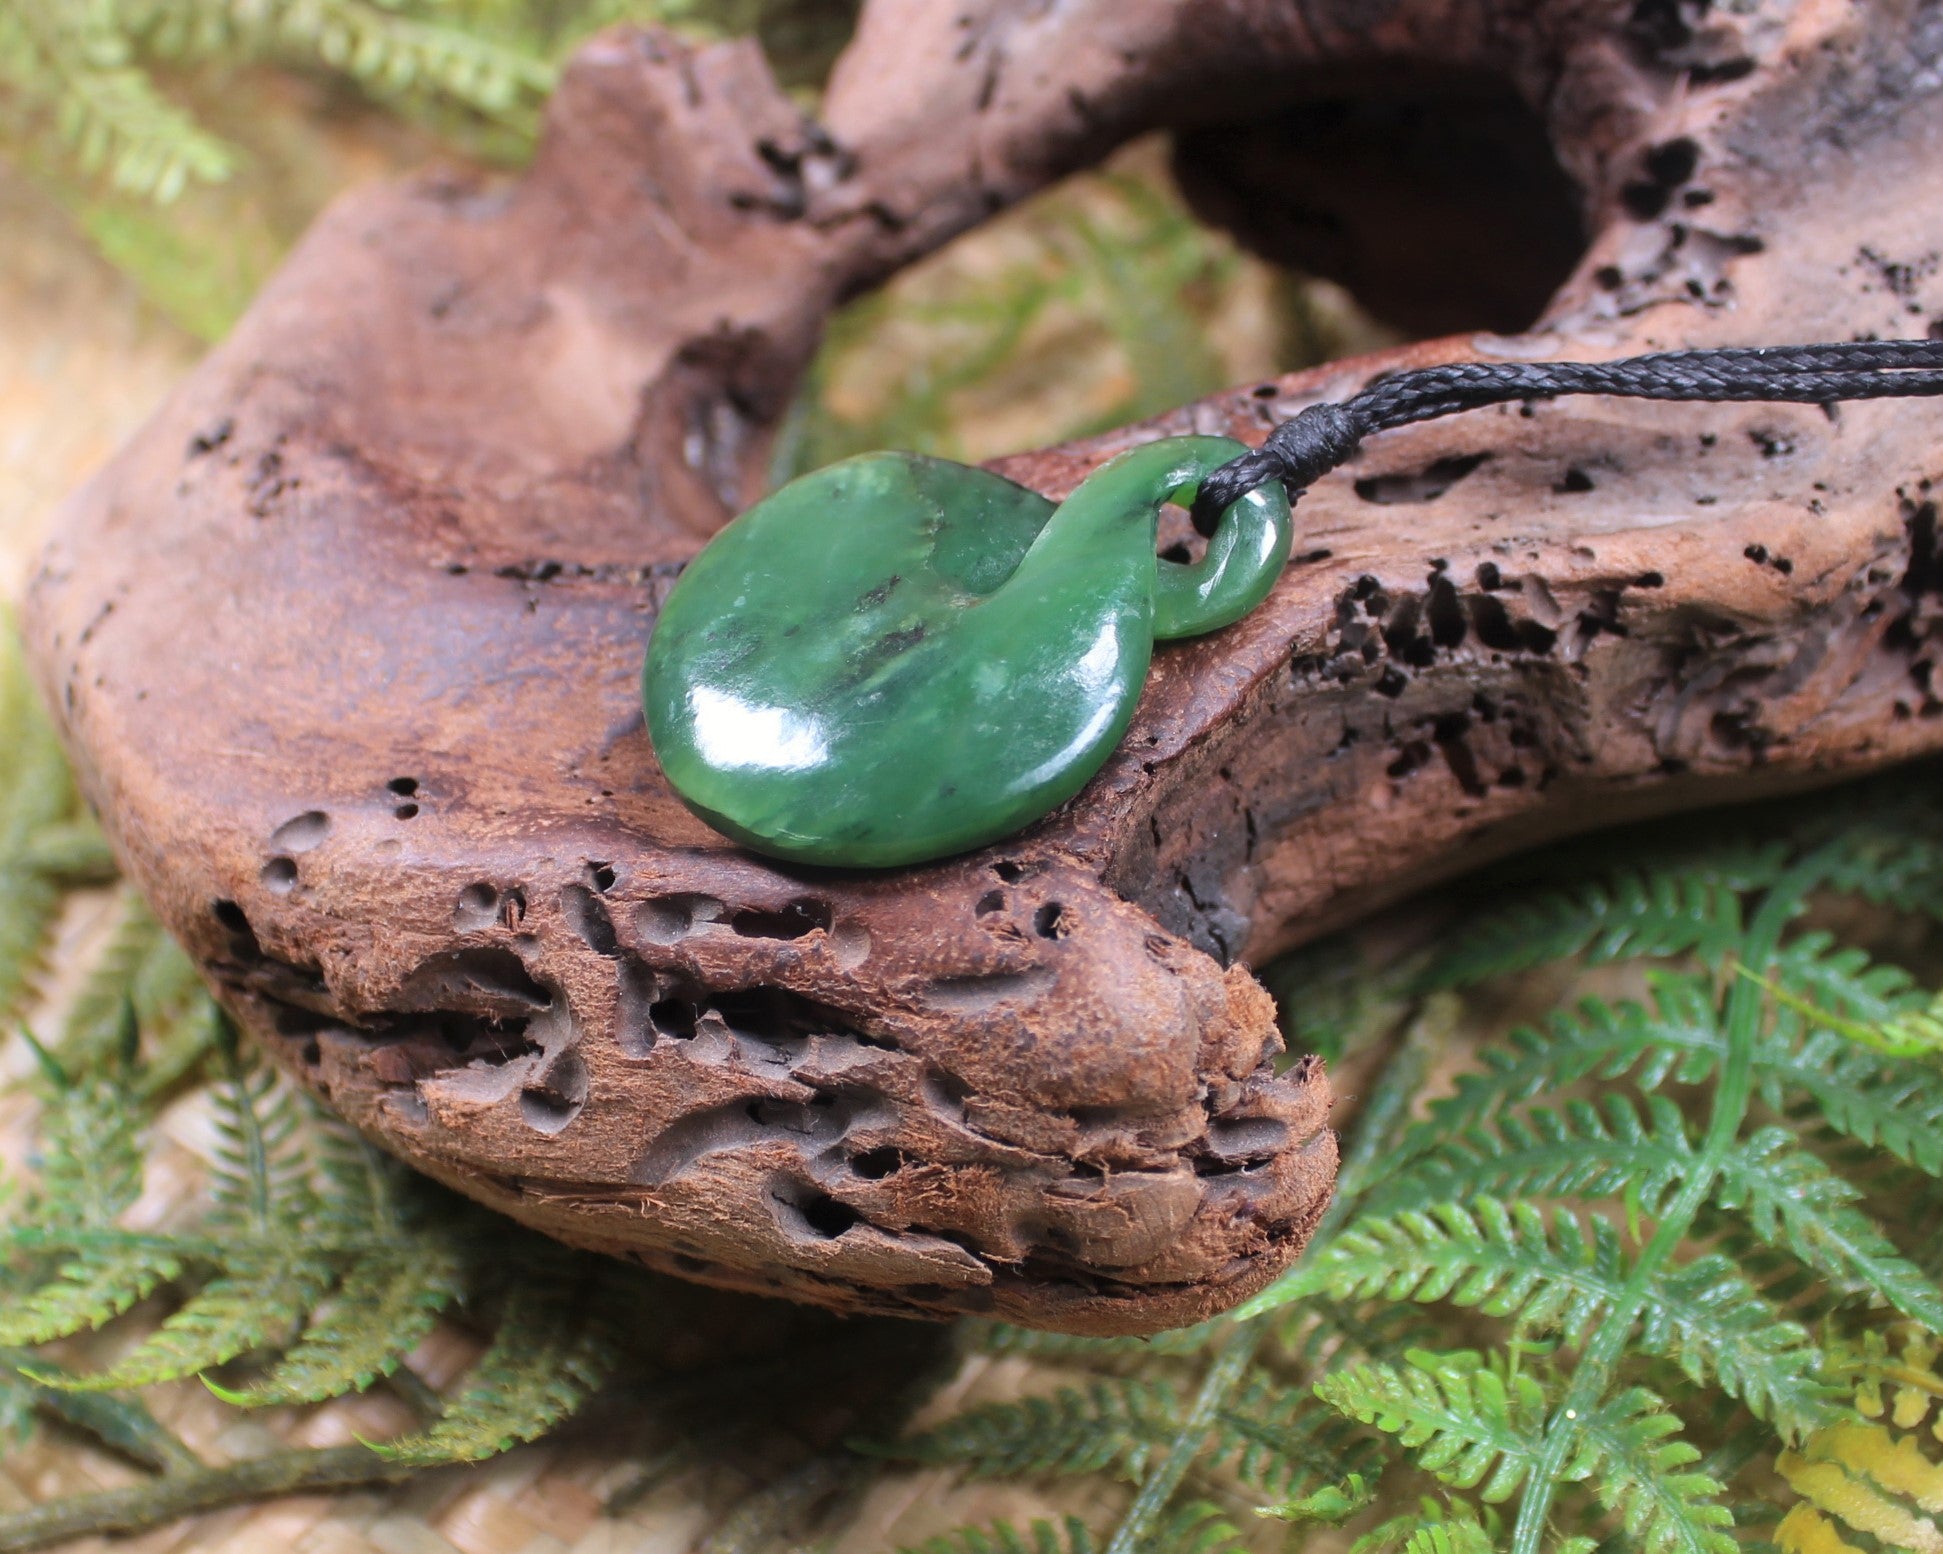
(898, 658)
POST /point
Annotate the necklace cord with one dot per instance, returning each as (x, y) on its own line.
(1323, 437)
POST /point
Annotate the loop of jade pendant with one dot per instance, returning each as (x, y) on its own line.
(897, 658)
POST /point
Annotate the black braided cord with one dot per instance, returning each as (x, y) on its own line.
(1302, 450)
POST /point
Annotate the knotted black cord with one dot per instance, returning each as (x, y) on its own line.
(1302, 450)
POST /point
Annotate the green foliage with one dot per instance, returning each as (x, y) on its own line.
(315, 1262)
(174, 132)
(1470, 1424)
(46, 842)
(1042, 1537)
(1111, 1424)
(85, 72)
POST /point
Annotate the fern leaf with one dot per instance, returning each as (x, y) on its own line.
(108, 110)
(1892, 1104)
(1647, 1478)
(553, 1348)
(72, 853)
(1793, 1200)
(1108, 1424)
(91, 1164)
(1331, 1505)
(1565, 1275)
(388, 52)
(1041, 1537)
(244, 1311)
(1874, 1481)
(1691, 911)
(1322, 1330)
(36, 798)
(89, 1290)
(1886, 1102)
(1466, 1423)
(383, 1308)
(1674, 1036)
(1896, 1375)
(1454, 1528)
(1804, 1530)
(260, 1176)
(1845, 981)
(33, 901)
(1884, 843)
(1003, 1338)
(1276, 1438)
(1448, 1537)
(140, 968)
(1582, 1150)
(1199, 1527)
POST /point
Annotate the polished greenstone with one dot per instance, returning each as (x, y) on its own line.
(897, 658)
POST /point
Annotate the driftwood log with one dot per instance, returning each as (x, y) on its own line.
(345, 643)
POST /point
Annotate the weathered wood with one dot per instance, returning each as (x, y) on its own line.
(346, 642)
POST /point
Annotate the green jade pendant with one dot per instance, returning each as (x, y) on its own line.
(897, 658)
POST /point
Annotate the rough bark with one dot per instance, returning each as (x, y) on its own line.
(346, 642)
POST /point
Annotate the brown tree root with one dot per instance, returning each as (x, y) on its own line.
(346, 642)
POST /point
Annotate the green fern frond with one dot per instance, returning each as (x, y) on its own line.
(1792, 1200)
(1111, 1423)
(1322, 1331)
(1695, 910)
(1615, 1148)
(1451, 1528)
(1471, 1425)
(1884, 843)
(84, 67)
(36, 799)
(556, 1344)
(1565, 1275)
(249, 1310)
(1331, 1505)
(88, 1291)
(1674, 1036)
(260, 1178)
(73, 853)
(1004, 1338)
(91, 1158)
(1041, 1537)
(1448, 1537)
(1892, 1104)
(1845, 980)
(1198, 1527)
(1790, 1197)
(1845, 991)
(1647, 1477)
(106, 108)
(382, 1310)
(389, 50)
(141, 969)
(1275, 1438)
